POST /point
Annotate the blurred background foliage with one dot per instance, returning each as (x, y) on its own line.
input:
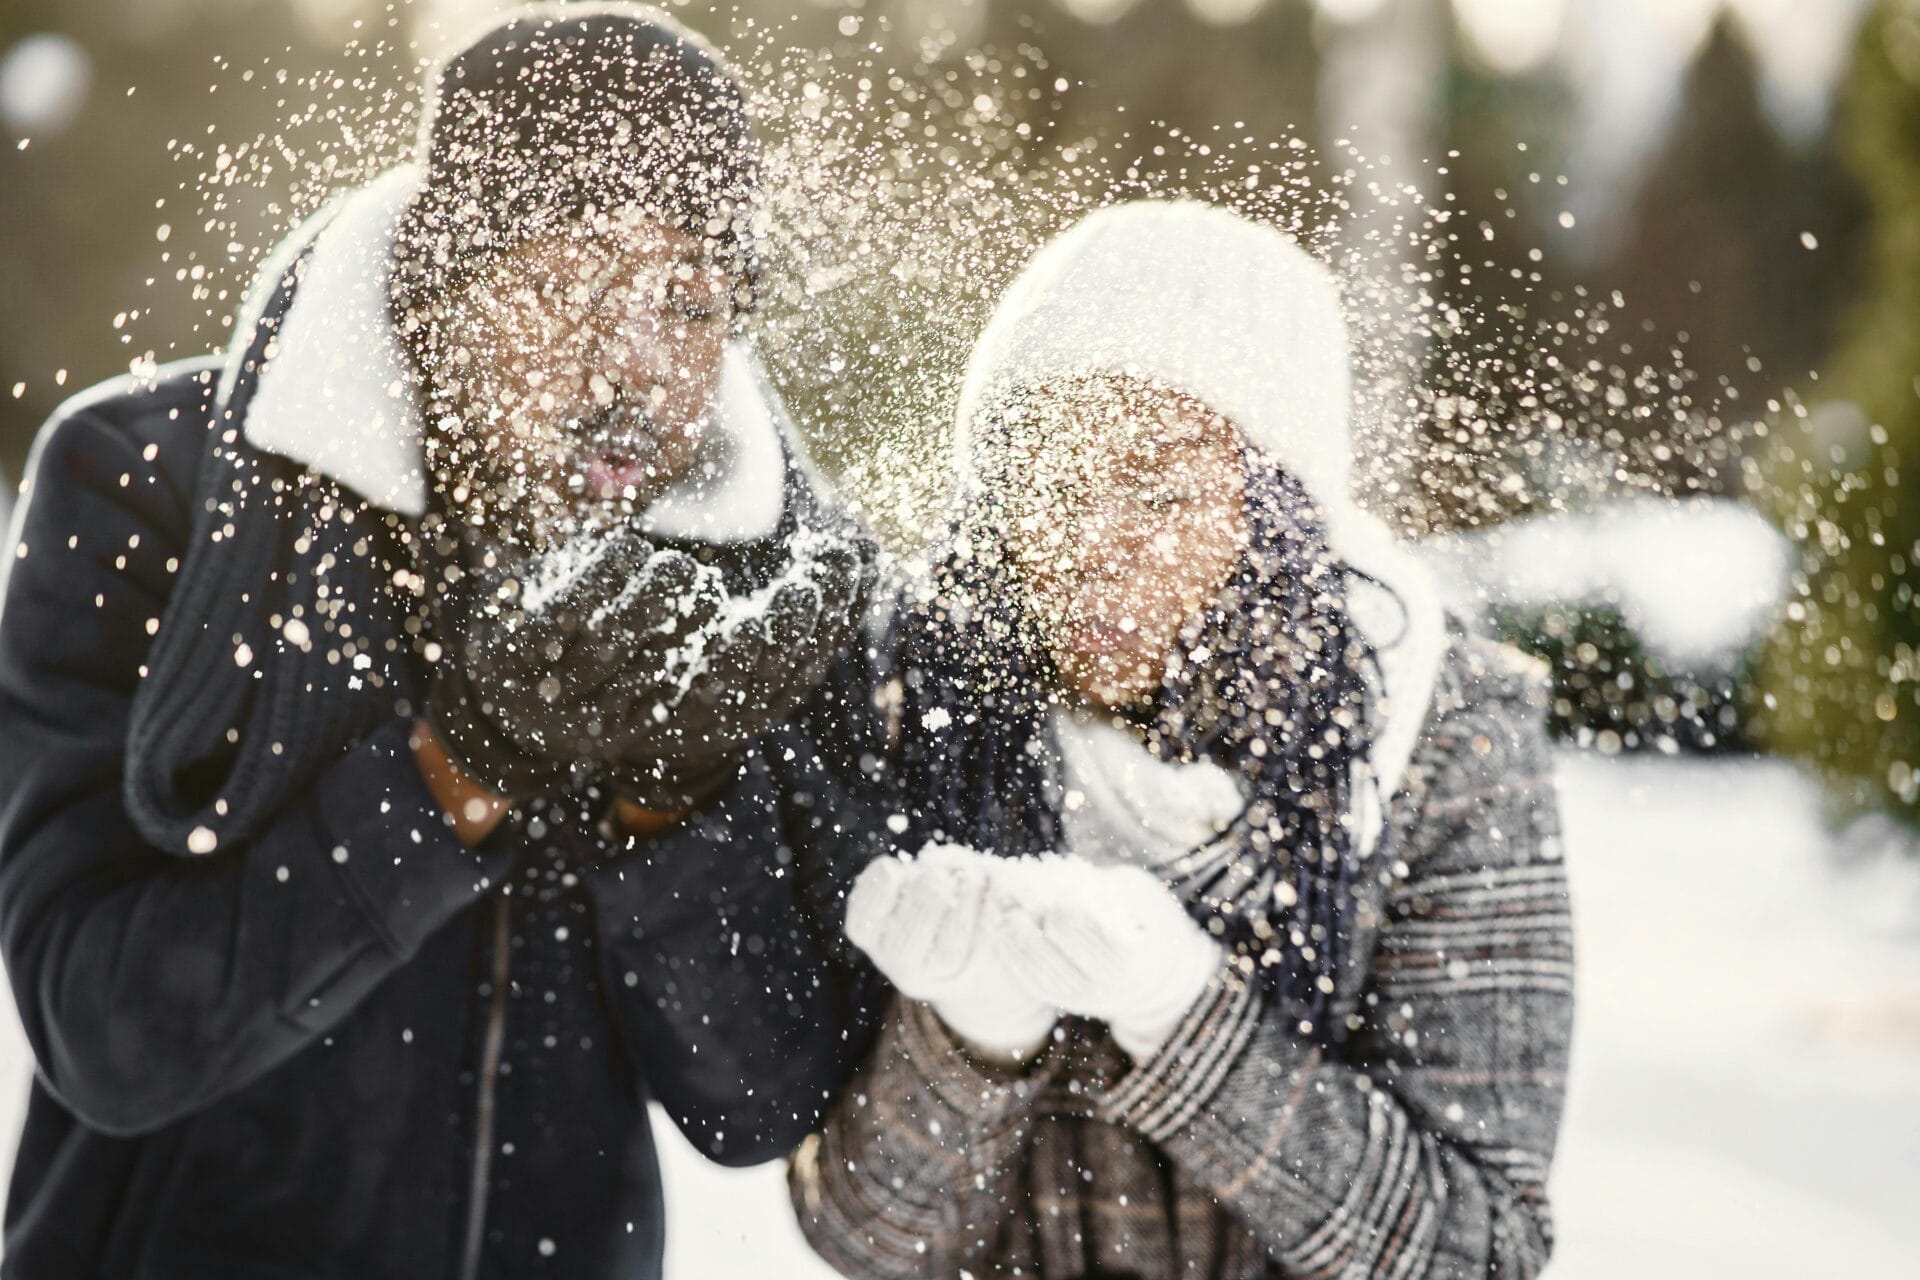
(1737, 182)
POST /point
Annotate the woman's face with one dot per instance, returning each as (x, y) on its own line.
(1126, 515)
(584, 367)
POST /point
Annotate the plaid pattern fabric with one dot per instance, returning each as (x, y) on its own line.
(1241, 1151)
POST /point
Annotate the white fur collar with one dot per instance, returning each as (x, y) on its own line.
(337, 394)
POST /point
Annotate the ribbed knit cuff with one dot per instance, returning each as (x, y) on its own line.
(388, 840)
(1162, 1095)
(976, 1088)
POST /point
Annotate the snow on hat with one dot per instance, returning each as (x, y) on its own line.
(1233, 313)
(557, 108)
(1192, 298)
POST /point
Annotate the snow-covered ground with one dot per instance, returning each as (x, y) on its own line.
(1746, 1095)
(1746, 1098)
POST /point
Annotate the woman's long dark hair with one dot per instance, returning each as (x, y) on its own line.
(1277, 695)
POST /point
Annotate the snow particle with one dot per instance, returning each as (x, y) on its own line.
(202, 840)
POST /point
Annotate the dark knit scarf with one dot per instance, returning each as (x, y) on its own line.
(282, 642)
(294, 627)
(1267, 682)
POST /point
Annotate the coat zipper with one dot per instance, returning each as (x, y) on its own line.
(482, 1177)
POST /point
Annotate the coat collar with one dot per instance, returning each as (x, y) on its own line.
(335, 392)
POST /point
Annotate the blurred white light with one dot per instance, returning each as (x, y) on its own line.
(44, 79)
(328, 19)
(1684, 23)
(1803, 49)
(1097, 12)
(1349, 10)
(1511, 36)
(962, 20)
(1225, 13)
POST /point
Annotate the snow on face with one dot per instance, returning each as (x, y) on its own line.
(1124, 514)
(581, 371)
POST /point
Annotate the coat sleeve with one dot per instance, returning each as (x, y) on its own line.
(738, 998)
(915, 1171)
(151, 984)
(1427, 1154)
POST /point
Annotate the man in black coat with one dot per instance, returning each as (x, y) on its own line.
(430, 733)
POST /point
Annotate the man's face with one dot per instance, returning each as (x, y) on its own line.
(1125, 510)
(582, 367)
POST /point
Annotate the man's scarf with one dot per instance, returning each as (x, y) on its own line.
(1266, 682)
(281, 643)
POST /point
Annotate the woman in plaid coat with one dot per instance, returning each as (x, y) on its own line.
(1235, 943)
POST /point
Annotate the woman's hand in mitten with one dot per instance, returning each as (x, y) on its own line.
(1107, 942)
(928, 923)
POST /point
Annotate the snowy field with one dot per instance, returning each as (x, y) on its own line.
(1746, 1100)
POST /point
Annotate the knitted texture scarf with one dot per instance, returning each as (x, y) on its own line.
(282, 643)
(1267, 682)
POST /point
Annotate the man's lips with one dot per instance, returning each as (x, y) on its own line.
(1101, 639)
(611, 476)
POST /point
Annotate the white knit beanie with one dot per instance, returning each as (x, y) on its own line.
(1233, 313)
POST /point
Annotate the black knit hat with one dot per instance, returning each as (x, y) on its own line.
(556, 110)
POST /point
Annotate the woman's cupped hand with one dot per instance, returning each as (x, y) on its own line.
(1001, 947)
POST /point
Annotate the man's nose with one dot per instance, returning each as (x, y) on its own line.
(636, 354)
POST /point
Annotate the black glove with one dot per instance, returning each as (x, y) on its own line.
(514, 695)
(641, 662)
(728, 668)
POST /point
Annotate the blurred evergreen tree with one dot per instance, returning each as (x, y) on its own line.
(1714, 250)
(1845, 669)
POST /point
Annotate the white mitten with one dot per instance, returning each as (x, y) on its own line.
(924, 923)
(1107, 942)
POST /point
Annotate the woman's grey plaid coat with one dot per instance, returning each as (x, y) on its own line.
(1240, 1150)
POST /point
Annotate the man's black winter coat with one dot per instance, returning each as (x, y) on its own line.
(355, 1048)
